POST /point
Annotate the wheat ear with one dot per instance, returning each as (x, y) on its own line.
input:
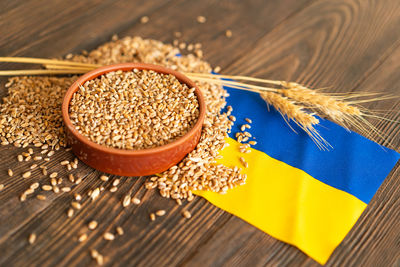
(335, 107)
(290, 111)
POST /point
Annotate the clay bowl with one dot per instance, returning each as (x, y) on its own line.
(131, 162)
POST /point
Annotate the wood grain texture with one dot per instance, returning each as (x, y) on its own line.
(347, 44)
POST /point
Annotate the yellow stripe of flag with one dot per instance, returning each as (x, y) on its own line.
(288, 203)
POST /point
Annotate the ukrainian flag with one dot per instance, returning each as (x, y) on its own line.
(295, 192)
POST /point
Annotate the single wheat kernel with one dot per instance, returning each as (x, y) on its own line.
(20, 158)
(22, 198)
(71, 178)
(56, 189)
(126, 201)
(44, 171)
(33, 166)
(53, 175)
(182, 46)
(66, 189)
(228, 33)
(100, 260)
(95, 194)
(108, 236)
(201, 19)
(30, 151)
(47, 187)
(29, 191)
(1, 187)
(253, 143)
(76, 205)
(34, 185)
(82, 237)
(26, 174)
(160, 212)
(37, 158)
(104, 178)
(94, 253)
(32, 238)
(78, 181)
(135, 201)
(152, 216)
(77, 197)
(113, 189)
(70, 213)
(116, 182)
(64, 162)
(186, 214)
(10, 172)
(92, 225)
(178, 201)
(248, 120)
(53, 181)
(41, 197)
(119, 230)
(144, 19)
(51, 153)
(244, 162)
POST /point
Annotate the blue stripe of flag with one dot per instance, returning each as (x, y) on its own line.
(355, 164)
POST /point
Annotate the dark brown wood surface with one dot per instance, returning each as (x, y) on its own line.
(348, 45)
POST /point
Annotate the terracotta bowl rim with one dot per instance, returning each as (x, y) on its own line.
(127, 67)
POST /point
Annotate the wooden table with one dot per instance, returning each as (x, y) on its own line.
(348, 45)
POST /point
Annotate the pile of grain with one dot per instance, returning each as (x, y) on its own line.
(134, 109)
(31, 114)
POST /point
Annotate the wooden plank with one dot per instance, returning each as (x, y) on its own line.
(170, 238)
(374, 240)
(318, 46)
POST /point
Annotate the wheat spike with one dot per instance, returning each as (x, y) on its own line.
(290, 111)
(333, 106)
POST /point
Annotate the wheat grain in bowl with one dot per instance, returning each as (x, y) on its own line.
(135, 109)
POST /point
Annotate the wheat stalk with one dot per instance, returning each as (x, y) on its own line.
(293, 101)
